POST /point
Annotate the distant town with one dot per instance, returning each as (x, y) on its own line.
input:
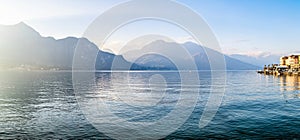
(289, 65)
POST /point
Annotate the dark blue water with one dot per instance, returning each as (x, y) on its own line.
(43, 105)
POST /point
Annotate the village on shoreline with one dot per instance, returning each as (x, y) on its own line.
(289, 65)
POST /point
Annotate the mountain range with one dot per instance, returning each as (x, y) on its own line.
(259, 60)
(22, 46)
(197, 53)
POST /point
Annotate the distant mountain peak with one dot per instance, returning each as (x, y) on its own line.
(22, 24)
(159, 42)
(189, 43)
(27, 47)
(19, 29)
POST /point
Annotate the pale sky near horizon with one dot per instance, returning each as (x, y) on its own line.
(251, 27)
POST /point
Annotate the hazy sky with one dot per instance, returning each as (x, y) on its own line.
(242, 26)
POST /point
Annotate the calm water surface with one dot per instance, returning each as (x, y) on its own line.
(43, 105)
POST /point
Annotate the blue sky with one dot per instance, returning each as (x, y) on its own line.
(252, 27)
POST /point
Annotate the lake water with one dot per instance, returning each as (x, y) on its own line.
(43, 104)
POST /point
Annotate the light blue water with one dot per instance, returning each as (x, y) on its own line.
(42, 105)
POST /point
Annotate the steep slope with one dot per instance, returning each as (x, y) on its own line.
(198, 53)
(201, 58)
(257, 60)
(21, 45)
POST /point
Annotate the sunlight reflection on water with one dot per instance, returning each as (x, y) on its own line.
(42, 105)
